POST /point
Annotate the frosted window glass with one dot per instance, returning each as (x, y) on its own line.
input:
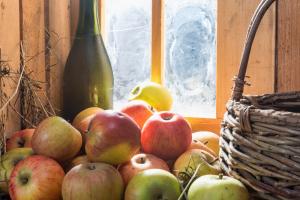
(191, 56)
(128, 29)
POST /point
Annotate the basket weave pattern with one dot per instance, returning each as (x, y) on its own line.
(260, 135)
(261, 147)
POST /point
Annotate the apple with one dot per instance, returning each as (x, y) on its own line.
(216, 187)
(189, 161)
(197, 144)
(82, 120)
(20, 139)
(210, 139)
(8, 161)
(166, 135)
(77, 161)
(141, 162)
(36, 177)
(113, 138)
(93, 181)
(139, 111)
(56, 138)
(153, 184)
(84, 114)
(155, 94)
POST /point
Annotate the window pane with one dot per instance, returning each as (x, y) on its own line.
(128, 32)
(191, 56)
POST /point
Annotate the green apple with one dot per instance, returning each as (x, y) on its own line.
(192, 159)
(8, 161)
(214, 187)
(153, 184)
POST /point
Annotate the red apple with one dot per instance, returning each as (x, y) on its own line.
(56, 138)
(139, 111)
(93, 181)
(141, 162)
(20, 139)
(36, 177)
(8, 162)
(166, 135)
(113, 138)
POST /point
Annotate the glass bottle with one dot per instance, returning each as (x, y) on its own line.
(88, 76)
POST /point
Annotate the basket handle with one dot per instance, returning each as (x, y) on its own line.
(239, 81)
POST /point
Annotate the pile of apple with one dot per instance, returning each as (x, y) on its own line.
(136, 153)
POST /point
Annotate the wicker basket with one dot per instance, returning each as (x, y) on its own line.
(260, 135)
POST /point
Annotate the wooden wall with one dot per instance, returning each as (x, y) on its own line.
(42, 28)
(288, 46)
(45, 28)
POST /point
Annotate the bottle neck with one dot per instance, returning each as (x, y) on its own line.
(88, 23)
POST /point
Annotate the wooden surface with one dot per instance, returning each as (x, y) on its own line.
(60, 42)
(32, 24)
(10, 52)
(288, 70)
(233, 21)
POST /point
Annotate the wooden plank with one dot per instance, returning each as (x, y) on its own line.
(288, 39)
(33, 37)
(10, 52)
(157, 70)
(60, 43)
(233, 20)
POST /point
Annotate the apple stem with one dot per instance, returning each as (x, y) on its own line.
(142, 160)
(24, 180)
(136, 90)
(221, 176)
(152, 109)
(21, 142)
(91, 167)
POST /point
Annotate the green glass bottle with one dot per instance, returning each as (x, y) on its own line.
(88, 76)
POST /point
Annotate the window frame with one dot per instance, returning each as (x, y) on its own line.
(157, 67)
(157, 64)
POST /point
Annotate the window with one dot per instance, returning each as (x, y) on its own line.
(190, 56)
(171, 42)
(128, 42)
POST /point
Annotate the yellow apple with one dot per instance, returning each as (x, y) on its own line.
(158, 96)
(192, 159)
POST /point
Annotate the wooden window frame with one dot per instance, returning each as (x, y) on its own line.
(157, 62)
